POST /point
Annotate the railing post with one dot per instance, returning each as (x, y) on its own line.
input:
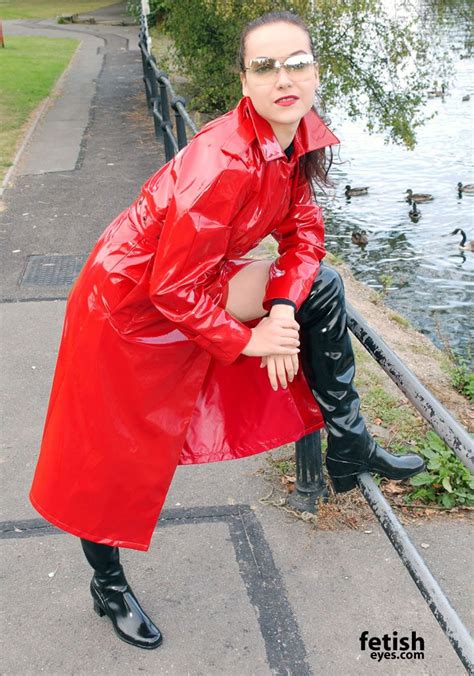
(166, 120)
(180, 126)
(154, 96)
(310, 484)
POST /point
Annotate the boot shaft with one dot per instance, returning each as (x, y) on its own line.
(104, 559)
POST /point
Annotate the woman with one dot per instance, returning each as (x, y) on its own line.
(156, 365)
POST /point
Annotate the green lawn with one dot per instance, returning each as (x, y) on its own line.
(29, 68)
(47, 9)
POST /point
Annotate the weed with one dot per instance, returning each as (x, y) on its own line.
(459, 369)
(446, 482)
(395, 317)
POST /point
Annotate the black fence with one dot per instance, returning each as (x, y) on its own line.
(310, 484)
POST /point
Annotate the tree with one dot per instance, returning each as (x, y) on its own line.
(378, 66)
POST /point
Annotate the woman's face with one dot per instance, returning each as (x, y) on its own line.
(279, 41)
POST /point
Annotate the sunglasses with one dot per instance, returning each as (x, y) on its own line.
(265, 69)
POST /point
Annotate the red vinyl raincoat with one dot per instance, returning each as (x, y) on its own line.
(149, 373)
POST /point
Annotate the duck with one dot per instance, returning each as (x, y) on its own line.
(414, 214)
(467, 187)
(436, 92)
(463, 244)
(466, 97)
(360, 237)
(418, 196)
(353, 192)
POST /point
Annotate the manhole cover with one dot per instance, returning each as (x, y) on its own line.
(52, 270)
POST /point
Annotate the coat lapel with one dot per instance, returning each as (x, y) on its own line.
(311, 134)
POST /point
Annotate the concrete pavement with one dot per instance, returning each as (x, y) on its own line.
(236, 586)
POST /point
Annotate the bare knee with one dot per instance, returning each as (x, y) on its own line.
(247, 290)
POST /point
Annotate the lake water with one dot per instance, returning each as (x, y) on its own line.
(431, 280)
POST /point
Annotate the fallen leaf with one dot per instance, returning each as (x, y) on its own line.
(393, 487)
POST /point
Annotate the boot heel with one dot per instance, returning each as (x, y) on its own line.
(100, 612)
(342, 484)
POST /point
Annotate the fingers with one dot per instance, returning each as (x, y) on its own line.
(287, 322)
(291, 348)
(289, 339)
(271, 368)
(281, 368)
(296, 363)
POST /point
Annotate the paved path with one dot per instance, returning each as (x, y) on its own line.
(237, 587)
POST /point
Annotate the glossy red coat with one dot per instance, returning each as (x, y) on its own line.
(149, 373)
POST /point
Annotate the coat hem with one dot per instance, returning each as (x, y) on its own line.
(277, 443)
(83, 534)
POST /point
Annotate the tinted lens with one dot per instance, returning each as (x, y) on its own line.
(265, 69)
(262, 66)
(299, 63)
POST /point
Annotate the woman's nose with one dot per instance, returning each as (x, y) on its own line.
(283, 78)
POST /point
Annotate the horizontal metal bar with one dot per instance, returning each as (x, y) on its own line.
(437, 601)
(161, 77)
(445, 425)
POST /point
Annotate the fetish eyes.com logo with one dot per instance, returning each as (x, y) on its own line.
(393, 647)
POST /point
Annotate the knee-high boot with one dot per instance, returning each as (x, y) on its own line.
(327, 361)
(114, 597)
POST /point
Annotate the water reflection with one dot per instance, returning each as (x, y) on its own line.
(432, 280)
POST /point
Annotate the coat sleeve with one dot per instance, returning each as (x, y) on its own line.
(193, 241)
(300, 238)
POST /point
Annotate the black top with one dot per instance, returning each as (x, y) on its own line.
(289, 151)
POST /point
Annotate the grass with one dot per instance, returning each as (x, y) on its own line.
(47, 9)
(399, 319)
(29, 69)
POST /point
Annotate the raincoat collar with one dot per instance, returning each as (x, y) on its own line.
(311, 134)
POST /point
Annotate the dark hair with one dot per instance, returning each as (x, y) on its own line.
(315, 165)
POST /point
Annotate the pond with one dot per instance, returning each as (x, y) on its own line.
(427, 278)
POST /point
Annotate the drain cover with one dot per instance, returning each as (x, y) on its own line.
(52, 270)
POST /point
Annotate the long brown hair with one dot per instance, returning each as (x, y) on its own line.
(315, 165)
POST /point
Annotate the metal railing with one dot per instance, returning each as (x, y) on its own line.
(310, 483)
(161, 98)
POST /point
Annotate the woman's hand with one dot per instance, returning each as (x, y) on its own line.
(276, 334)
(276, 340)
(281, 366)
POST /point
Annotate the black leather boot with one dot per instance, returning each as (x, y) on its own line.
(114, 597)
(327, 361)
